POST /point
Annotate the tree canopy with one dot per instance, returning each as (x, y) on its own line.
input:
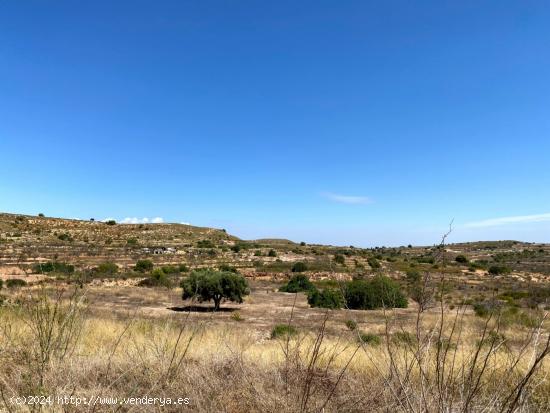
(209, 284)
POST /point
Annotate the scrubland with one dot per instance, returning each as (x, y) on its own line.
(53, 342)
(95, 311)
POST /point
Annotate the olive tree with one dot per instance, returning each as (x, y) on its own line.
(209, 284)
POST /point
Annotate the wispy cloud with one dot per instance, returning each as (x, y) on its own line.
(347, 199)
(134, 220)
(520, 219)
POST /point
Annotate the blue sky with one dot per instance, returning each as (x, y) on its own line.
(349, 122)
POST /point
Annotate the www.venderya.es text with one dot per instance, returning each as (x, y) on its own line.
(99, 400)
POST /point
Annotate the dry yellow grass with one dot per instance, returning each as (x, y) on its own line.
(52, 346)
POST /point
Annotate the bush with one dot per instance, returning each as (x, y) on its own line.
(111, 222)
(15, 283)
(158, 278)
(228, 268)
(236, 316)
(64, 237)
(297, 283)
(373, 263)
(106, 268)
(499, 270)
(378, 292)
(53, 266)
(183, 268)
(299, 267)
(477, 265)
(327, 298)
(369, 338)
(283, 330)
(351, 325)
(272, 253)
(41, 215)
(170, 269)
(481, 309)
(339, 259)
(132, 242)
(462, 259)
(1, 284)
(208, 284)
(413, 277)
(205, 243)
(144, 266)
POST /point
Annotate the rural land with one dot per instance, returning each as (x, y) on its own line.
(99, 310)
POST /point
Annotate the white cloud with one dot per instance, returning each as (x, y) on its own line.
(185, 223)
(521, 219)
(347, 199)
(145, 220)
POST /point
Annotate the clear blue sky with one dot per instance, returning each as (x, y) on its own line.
(344, 122)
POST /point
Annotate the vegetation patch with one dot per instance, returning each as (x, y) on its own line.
(369, 338)
(378, 292)
(297, 283)
(283, 330)
(209, 284)
(15, 283)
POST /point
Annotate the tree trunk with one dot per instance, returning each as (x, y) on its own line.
(217, 301)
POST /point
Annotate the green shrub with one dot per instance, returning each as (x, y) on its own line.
(425, 259)
(327, 298)
(476, 265)
(106, 268)
(53, 266)
(368, 338)
(1, 284)
(205, 243)
(15, 283)
(339, 259)
(229, 268)
(170, 269)
(183, 268)
(481, 310)
(413, 276)
(297, 283)
(208, 284)
(65, 237)
(236, 316)
(499, 270)
(41, 215)
(373, 263)
(462, 259)
(377, 292)
(144, 266)
(111, 222)
(158, 278)
(283, 330)
(132, 242)
(351, 324)
(299, 267)
(272, 253)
